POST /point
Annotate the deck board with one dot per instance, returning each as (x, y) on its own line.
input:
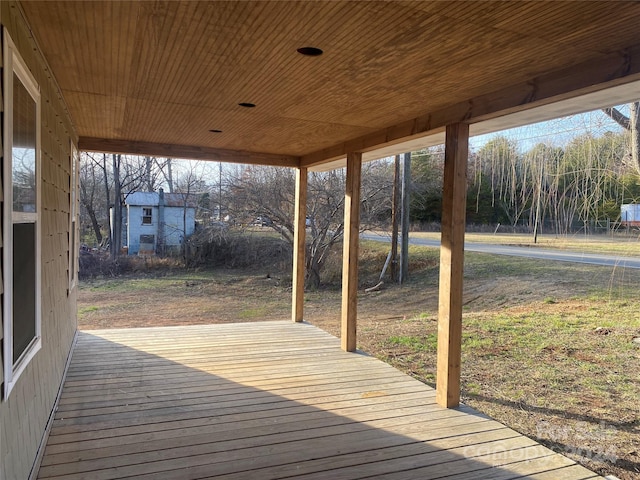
(267, 400)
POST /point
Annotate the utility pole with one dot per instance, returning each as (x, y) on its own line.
(219, 191)
(395, 201)
(406, 194)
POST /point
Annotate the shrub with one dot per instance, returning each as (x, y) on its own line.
(101, 264)
(214, 247)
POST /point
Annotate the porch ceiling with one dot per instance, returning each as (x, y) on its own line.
(156, 77)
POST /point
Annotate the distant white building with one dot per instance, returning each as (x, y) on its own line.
(630, 214)
(157, 222)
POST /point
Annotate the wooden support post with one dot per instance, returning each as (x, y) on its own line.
(350, 252)
(454, 198)
(299, 245)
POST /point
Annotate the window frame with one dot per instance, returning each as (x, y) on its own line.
(15, 65)
(150, 216)
(74, 228)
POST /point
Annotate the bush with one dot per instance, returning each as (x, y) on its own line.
(209, 247)
(215, 247)
(102, 265)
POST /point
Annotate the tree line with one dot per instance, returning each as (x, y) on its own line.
(542, 188)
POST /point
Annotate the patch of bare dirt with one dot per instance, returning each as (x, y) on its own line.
(185, 302)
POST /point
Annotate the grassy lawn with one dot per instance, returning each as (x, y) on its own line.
(620, 244)
(548, 347)
(563, 371)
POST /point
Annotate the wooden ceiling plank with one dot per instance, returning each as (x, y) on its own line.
(151, 39)
(143, 48)
(341, 30)
(264, 87)
(403, 86)
(197, 90)
(558, 18)
(104, 81)
(229, 56)
(585, 78)
(300, 68)
(206, 90)
(169, 83)
(160, 18)
(185, 152)
(193, 63)
(187, 17)
(123, 54)
(462, 71)
(228, 62)
(89, 68)
(301, 72)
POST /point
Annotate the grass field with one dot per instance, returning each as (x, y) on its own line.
(620, 244)
(551, 349)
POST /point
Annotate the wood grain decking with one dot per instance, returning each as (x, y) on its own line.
(265, 401)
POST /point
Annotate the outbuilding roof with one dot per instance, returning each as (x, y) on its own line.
(152, 199)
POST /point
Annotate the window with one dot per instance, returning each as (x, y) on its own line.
(146, 216)
(147, 240)
(74, 247)
(21, 228)
(147, 244)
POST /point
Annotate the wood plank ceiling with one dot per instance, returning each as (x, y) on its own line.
(167, 73)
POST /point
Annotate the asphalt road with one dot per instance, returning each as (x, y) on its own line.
(528, 252)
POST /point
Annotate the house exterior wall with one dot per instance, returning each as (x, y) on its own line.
(135, 227)
(173, 230)
(26, 411)
(174, 221)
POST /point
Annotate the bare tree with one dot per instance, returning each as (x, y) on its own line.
(326, 219)
(116, 228)
(189, 185)
(91, 193)
(632, 125)
(267, 193)
(107, 194)
(540, 162)
(157, 172)
(499, 164)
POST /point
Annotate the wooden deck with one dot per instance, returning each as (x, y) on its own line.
(265, 401)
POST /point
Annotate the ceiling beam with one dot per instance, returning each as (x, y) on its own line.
(612, 70)
(190, 152)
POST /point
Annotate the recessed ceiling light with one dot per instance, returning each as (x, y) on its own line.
(247, 104)
(310, 51)
(215, 130)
